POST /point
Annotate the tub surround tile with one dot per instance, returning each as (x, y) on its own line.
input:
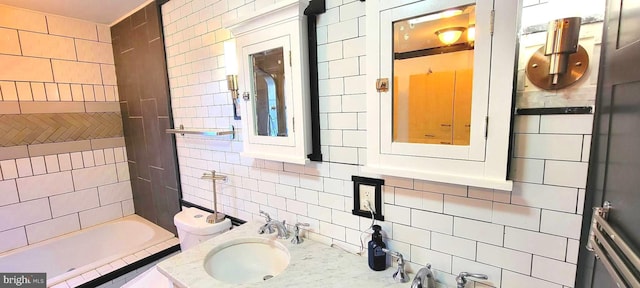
(52, 163)
(22, 19)
(52, 92)
(95, 52)
(18, 68)
(76, 160)
(12, 239)
(38, 165)
(24, 167)
(9, 43)
(95, 176)
(9, 169)
(74, 202)
(75, 72)
(52, 228)
(100, 215)
(9, 92)
(44, 185)
(65, 162)
(8, 192)
(70, 27)
(98, 157)
(115, 192)
(24, 213)
(47, 46)
(88, 159)
(127, 207)
(24, 91)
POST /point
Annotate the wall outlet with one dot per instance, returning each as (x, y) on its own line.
(367, 196)
(367, 193)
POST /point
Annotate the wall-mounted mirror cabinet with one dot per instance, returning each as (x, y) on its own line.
(273, 82)
(441, 80)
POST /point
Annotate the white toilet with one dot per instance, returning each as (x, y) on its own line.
(192, 229)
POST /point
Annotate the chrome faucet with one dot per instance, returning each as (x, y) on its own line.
(281, 227)
(462, 278)
(265, 228)
(424, 278)
(400, 275)
(297, 239)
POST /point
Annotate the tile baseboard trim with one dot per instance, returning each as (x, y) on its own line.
(51, 107)
(105, 143)
(102, 107)
(9, 107)
(14, 152)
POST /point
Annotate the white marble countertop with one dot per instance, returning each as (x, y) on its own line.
(312, 264)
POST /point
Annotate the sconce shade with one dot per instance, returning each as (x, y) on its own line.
(230, 60)
(449, 36)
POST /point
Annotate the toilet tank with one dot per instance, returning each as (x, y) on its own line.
(193, 227)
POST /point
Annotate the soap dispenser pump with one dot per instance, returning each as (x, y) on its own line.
(377, 257)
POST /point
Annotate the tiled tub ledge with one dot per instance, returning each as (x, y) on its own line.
(117, 264)
(312, 264)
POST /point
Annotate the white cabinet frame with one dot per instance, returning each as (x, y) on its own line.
(282, 24)
(484, 162)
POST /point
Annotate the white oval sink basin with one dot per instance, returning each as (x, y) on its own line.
(247, 260)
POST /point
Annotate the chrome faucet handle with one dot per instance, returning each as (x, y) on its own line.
(266, 215)
(265, 228)
(461, 279)
(297, 239)
(400, 275)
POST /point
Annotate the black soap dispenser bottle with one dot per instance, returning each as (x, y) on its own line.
(377, 257)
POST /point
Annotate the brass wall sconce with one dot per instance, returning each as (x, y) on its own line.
(231, 69)
(562, 61)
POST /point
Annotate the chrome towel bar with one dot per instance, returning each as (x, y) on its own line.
(206, 132)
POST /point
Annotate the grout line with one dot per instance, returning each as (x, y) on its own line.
(19, 42)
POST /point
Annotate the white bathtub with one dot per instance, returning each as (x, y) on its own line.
(75, 253)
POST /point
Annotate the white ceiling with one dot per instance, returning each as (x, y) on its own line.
(99, 11)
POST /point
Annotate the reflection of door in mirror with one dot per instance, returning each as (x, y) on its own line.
(268, 87)
(433, 73)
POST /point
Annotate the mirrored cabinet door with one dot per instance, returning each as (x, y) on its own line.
(441, 107)
(269, 92)
(440, 66)
(273, 74)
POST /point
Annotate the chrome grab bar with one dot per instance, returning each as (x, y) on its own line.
(605, 242)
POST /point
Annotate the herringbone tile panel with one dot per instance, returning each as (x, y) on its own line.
(26, 129)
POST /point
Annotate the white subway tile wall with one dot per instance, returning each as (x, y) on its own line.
(57, 203)
(46, 196)
(453, 227)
